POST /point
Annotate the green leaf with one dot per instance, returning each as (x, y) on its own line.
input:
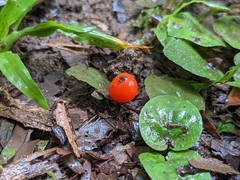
(229, 74)
(8, 153)
(185, 26)
(188, 58)
(156, 86)
(236, 60)
(91, 76)
(236, 76)
(149, 3)
(234, 84)
(42, 144)
(41, 30)
(162, 35)
(144, 20)
(99, 39)
(80, 33)
(214, 6)
(51, 174)
(168, 122)
(158, 168)
(234, 72)
(228, 27)
(49, 27)
(225, 127)
(13, 11)
(15, 71)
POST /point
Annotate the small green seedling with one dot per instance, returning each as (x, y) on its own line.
(7, 154)
(168, 122)
(165, 168)
(51, 175)
(224, 126)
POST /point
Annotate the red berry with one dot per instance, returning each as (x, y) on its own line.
(123, 88)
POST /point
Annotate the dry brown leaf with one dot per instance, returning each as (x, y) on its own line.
(139, 47)
(234, 97)
(63, 121)
(22, 168)
(208, 126)
(212, 164)
(63, 152)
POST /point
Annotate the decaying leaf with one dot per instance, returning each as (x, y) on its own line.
(63, 121)
(29, 116)
(212, 164)
(208, 126)
(22, 168)
(234, 97)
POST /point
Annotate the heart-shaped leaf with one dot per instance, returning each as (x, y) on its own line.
(164, 85)
(167, 121)
(159, 168)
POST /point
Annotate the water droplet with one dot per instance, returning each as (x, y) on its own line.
(177, 26)
(197, 40)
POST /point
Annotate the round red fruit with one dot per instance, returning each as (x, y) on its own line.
(123, 88)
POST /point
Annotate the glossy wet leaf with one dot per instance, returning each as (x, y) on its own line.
(158, 168)
(91, 76)
(162, 34)
(49, 27)
(185, 26)
(228, 27)
(236, 76)
(8, 153)
(169, 122)
(236, 60)
(215, 6)
(229, 74)
(181, 53)
(12, 12)
(164, 85)
(80, 33)
(15, 71)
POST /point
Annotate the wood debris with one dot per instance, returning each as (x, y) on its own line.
(29, 116)
(23, 168)
(63, 120)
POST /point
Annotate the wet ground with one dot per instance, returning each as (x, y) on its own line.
(106, 134)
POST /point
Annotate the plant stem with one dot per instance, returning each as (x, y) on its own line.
(8, 41)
